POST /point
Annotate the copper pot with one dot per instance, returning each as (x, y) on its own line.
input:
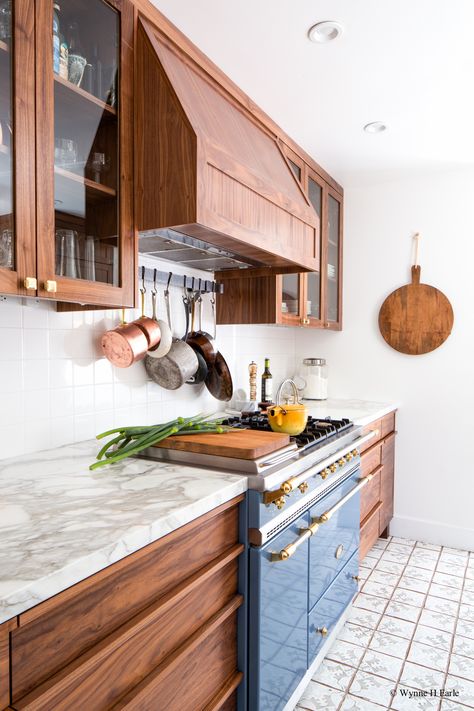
(149, 326)
(125, 345)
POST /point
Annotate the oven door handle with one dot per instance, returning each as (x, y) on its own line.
(291, 548)
(324, 518)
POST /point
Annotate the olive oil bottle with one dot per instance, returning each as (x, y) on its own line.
(267, 383)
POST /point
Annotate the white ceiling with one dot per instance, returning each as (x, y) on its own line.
(408, 63)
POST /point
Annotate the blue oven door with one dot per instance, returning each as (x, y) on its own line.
(278, 619)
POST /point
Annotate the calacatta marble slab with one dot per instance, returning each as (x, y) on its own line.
(361, 412)
(60, 522)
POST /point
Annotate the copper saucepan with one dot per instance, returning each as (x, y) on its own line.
(124, 345)
(149, 326)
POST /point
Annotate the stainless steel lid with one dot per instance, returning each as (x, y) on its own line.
(314, 361)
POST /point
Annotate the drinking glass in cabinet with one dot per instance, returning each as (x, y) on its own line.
(290, 294)
(7, 246)
(86, 183)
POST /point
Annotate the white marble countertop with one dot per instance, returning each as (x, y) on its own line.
(60, 522)
(361, 412)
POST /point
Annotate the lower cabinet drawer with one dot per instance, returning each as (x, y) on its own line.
(369, 530)
(327, 611)
(370, 495)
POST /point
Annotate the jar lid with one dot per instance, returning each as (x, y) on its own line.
(314, 361)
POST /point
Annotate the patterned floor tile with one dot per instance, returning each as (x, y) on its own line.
(467, 597)
(422, 560)
(413, 571)
(396, 556)
(404, 612)
(455, 552)
(469, 585)
(464, 646)
(437, 604)
(356, 634)
(370, 602)
(338, 676)
(352, 703)
(445, 592)
(404, 541)
(389, 644)
(466, 612)
(470, 573)
(320, 698)
(451, 569)
(380, 576)
(378, 589)
(371, 687)
(393, 625)
(464, 687)
(388, 566)
(437, 620)
(365, 618)
(381, 664)
(428, 656)
(429, 546)
(452, 581)
(465, 629)
(400, 547)
(435, 638)
(346, 653)
(461, 666)
(406, 699)
(415, 584)
(409, 597)
(420, 677)
(453, 706)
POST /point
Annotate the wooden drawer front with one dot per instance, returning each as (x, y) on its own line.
(116, 665)
(371, 427)
(387, 483)
(369, 531)
(388, 424)
(56, 632)
(189, 678)
(370, 495)
(330, 607)
(371, 459)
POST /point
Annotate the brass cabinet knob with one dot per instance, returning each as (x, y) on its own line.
(342, 462)
(30, 283)
(356, 578)
(304, 321)
(324, 473)
(50, 286)
(333, 468)
(322, 631)
(303, 487)
(280, 502)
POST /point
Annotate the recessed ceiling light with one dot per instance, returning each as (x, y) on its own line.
(375, 127)
(326, 31)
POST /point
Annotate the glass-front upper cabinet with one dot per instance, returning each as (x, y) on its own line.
(313, 298)
(84, 162)
(334, 260)
(17, 228)
(290, 289)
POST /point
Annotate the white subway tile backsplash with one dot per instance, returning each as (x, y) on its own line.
(56, 387)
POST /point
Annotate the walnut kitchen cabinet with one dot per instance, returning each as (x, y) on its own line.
(376, 501)
(309, 299)
(156, 630)
(67, 170)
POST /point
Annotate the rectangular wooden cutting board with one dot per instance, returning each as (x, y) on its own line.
(240, 444)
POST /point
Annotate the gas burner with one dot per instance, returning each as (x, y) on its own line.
(315, 432)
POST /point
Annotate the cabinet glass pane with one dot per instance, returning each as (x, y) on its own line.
(290, 302)
(7, 251)
(85, 55)
(313, 303)
(334, 209)
(295, 168)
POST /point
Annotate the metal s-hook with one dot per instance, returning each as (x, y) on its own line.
(154, 290)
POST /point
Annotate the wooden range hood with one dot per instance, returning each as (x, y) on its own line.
(214, 189)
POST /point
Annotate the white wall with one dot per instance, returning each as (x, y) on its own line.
(434, 485)
(56, 388)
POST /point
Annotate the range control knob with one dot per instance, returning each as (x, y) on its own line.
(280, 502)
(303, 487)
(325, 473)
(355, 452)
(348, 456)
(342, 462)
(333, 468)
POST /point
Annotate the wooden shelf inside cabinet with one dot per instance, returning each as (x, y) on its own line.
(70, 93)
(100, 188)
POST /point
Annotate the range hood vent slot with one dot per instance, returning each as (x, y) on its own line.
(214, 189)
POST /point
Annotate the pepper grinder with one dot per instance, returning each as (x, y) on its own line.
(253, 381)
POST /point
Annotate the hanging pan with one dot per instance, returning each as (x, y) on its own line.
(219, 379)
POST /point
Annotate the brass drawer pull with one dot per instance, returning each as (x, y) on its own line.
(324, 518)
(291, 548)
(322, 631)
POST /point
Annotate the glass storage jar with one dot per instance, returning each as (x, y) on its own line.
(314, 379)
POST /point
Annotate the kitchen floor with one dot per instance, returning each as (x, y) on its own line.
(411, 628)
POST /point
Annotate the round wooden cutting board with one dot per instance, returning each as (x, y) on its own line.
(417, 318)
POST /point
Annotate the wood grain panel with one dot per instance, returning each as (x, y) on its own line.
(242, 444)
(56, 632)
(104, 674)
(189, 677)
(371, 458)
(388, 424)
(370, 495)
(369, 530)
(375, 426)
(247, 300)
(226, 699)
(5, 630)
(388, 480)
